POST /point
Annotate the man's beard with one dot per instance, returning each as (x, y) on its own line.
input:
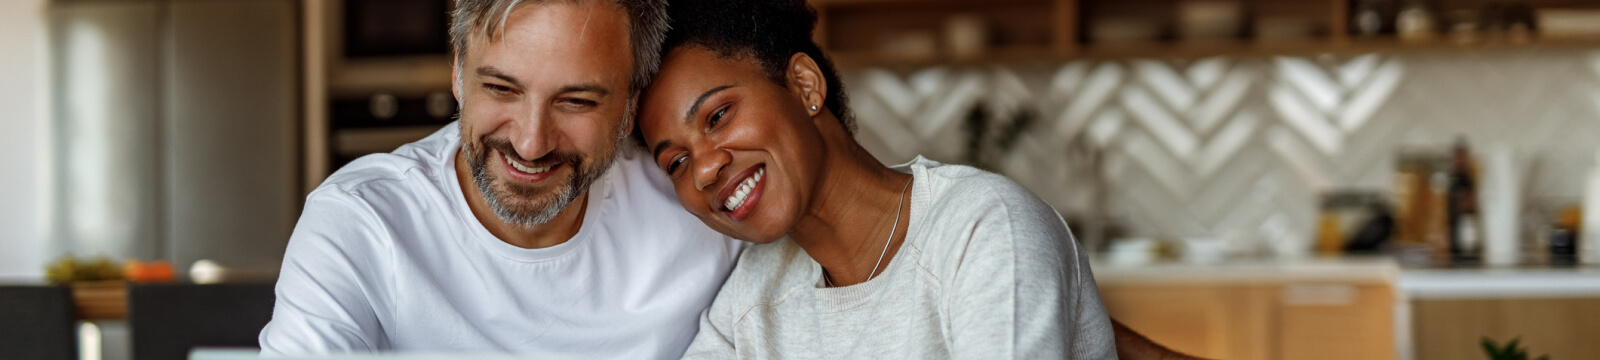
(526, 206)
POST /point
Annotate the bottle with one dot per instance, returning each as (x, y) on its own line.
(1465, 243)
(1589, 242)
(1564, 236)
(1367, 20)
(1415, 22)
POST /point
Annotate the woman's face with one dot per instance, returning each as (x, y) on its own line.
(743, 152)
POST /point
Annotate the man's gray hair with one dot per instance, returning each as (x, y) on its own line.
(647, 27)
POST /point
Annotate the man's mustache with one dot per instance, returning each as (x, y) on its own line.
(553, 158)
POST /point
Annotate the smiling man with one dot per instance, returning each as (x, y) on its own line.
(528, 226)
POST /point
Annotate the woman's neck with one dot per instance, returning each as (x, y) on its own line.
(857, 204)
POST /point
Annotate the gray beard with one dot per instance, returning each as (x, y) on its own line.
(523, 217)
(538, 211)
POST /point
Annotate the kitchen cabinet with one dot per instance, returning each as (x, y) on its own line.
(1272, 310)
(1564, 328)
(1554, 311)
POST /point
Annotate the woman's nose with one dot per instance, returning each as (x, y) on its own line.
(708, 167)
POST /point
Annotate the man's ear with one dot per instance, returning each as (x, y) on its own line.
(455, 78)
(631, 117)
(809, 85)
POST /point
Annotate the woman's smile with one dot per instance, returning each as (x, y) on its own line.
(741, 194)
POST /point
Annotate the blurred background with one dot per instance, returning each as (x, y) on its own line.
(1258, 179)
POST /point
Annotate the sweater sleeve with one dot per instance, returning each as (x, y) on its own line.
(1020, 290)
(329, 283)
(715, 339)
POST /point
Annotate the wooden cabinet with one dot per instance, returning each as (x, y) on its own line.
(1564, 328)
(1312, 320)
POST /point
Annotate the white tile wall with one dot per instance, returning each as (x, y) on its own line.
(1237, 149)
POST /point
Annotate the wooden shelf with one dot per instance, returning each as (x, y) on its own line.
(101, 300)
(1316, 47)
(1052, 31)
(1238, 49)
(1015, 54)
(416, 74)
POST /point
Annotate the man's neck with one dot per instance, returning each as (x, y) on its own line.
(551, 233)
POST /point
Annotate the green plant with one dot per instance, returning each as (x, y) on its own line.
(1512, 350)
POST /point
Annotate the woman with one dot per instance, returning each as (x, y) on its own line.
(855, 259)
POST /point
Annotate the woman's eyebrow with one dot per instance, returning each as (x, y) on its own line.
(660, 147)
(689, 115)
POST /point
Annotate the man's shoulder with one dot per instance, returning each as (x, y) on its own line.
(639, 188)
(392, 172)
(640, 199)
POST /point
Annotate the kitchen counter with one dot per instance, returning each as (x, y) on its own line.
(1489, 282)
(1349, 270)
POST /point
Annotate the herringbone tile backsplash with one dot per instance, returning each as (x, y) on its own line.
(1235, 149)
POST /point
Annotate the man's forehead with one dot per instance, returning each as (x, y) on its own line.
(575, 19)
(557, 40)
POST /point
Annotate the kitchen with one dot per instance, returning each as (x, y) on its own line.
(1258, 179)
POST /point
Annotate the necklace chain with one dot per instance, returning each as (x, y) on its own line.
(829, 279)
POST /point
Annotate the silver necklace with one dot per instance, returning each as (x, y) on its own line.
(829, 279)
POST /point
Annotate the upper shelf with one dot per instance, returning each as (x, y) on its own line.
(912, 33)
(1242, 49)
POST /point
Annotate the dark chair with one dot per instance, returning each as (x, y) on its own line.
(169, 320)
(37, 322)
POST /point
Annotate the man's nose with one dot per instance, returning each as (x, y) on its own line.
(535, 134)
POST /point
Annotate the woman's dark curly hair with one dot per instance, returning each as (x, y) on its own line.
(766, 32)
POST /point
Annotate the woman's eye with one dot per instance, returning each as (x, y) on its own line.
(672, 167)
(716, 118)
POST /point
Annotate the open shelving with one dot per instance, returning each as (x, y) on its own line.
(854, 31)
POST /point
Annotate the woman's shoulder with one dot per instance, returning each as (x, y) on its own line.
(966, 187)
(767, 273)
(968, 211)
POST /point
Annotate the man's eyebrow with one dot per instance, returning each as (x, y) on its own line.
(688, 116)
(594, 88)
(491, 71)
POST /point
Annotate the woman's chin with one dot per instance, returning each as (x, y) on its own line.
(760, 240)
(751, 235)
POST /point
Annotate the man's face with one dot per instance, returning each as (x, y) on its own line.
(542, 106)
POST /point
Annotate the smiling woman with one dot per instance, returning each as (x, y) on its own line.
(857, 259)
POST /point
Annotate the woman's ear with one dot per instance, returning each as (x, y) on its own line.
(808, 83)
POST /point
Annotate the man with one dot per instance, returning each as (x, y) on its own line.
(522, 228)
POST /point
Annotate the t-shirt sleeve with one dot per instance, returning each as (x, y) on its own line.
(1021, 288)
(329, 281)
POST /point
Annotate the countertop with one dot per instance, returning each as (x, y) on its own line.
(1500, 282)
(1358, 270)
(1414, 283)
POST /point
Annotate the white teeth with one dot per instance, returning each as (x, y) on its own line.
(743, 192)
(519, 167)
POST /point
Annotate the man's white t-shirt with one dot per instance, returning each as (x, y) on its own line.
(388, 257)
